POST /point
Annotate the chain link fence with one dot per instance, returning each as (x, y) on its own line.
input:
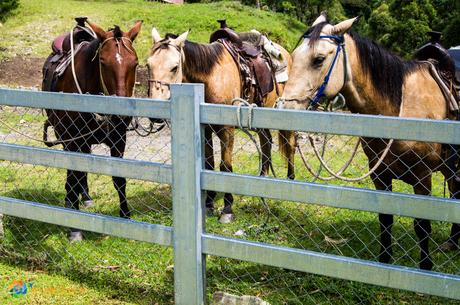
(142, 273)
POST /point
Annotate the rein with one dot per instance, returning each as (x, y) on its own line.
(340, 41)
(104, 119)
(123, 41)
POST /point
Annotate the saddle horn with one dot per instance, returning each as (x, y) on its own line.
(223, 23)
(81, 21)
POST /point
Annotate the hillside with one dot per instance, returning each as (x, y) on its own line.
(29, 32)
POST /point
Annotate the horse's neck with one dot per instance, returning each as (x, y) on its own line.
(223, 83)
(88, 72)
(361, 95)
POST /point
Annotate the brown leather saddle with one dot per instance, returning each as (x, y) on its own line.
(443, 62)
(255, 66)
(59, 57)
(434, 52)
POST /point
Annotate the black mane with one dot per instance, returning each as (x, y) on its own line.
(386, 70)
(314, 32)
(117, 33)
(199, 58)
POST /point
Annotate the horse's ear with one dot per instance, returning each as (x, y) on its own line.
(101, 34)
(321, 18)
(343, 26)
(132, 34)
(155, 35)
(180, 41)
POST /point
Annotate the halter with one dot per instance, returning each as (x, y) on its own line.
(123, 41)
(156, 48)
(340, 41)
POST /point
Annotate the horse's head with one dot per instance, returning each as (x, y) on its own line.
(319, 65)
(165, 63)
(117, 59)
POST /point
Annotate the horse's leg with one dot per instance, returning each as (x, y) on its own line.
(287, 144)
(454, 188)
(117, 139)
(265, 138)
(386, 223)
(226, 135)
(73, 189)
(209, 165)
(452, 242)
(85, 197)
(423, 226)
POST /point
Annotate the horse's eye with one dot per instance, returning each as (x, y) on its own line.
(174, 70)
(318, 61)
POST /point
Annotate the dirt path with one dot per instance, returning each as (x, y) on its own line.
(20, 72)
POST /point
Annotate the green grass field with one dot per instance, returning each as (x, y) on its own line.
(30, 31)
(109, 270)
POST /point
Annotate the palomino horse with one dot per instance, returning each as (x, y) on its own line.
(176, 60)
(105, 65)
(374, 81)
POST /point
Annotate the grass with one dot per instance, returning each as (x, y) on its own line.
(31, 29)
(118, 271)
(109, 270)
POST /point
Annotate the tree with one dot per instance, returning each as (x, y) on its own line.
(6, 6)
(381, 24)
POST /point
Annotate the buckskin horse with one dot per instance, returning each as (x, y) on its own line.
(374, 81)
(104, 62)
(175, 60)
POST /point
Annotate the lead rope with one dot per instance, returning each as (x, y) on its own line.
(242, 102)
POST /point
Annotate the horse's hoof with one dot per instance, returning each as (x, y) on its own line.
(209, 211)
(449, 246)
(75, 236)
(88, 204)
(385, 257)
(426, 264)
(226, 218)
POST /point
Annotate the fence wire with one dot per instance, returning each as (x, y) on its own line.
(123, 269)
(143, 273)
(322, 229)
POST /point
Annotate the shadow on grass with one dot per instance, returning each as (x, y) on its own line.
(105, 263)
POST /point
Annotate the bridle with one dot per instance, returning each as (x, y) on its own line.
(120, 41)
(158, 83)
(340, 42)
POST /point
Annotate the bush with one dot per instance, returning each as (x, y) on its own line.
(6, 6)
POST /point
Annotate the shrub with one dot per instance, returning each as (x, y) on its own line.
(6, 6)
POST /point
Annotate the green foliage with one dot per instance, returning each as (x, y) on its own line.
(399, 25)
(6, 6)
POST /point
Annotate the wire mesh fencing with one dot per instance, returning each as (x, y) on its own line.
(143, 273)
(131, 270)
(326, 229)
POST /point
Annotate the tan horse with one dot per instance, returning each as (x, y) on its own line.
(176, 60)
(374, 81)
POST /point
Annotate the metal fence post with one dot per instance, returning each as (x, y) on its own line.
(188, 207)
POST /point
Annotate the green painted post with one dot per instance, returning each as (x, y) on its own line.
(188, 206)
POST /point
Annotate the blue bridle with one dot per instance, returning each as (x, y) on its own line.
(340, 41)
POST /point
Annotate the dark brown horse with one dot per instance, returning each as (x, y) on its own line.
(105, 64)
(374, 81)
